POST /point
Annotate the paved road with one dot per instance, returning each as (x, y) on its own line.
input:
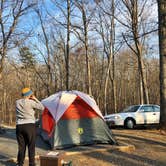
(8, 147)
(150, 150)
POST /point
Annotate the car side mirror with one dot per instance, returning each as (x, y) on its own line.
(141, 110)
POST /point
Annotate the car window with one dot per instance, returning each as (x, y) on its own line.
(147, 108)
(156, 109)
(131, 108)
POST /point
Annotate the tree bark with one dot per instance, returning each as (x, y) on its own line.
(88, 70)
(68, 45)
(162, 49)
(111, 65)
(113, 57)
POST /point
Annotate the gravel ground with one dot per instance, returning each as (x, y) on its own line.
(150, 150)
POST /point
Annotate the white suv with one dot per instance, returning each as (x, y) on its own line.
(135, 115)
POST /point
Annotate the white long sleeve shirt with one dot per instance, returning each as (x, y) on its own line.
(25, 110)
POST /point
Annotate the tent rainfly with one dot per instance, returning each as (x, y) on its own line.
(73, 118)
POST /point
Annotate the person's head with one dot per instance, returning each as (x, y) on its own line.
(26, 92)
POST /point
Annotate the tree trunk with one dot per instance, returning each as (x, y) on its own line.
(113, 58)
(132, 7)
(141, 98)
(162, 49)
(68, 45)
(2, 60)
(88, 70)
(106, 84)
(143, 82)
(139, 54)
(48, 62)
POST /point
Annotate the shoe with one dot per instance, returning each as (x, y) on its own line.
(66, 163)
(18, 165)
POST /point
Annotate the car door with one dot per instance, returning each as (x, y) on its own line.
(148, 114)
(156, 114)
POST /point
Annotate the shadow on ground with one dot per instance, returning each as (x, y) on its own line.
(125, 159)
(149, 141)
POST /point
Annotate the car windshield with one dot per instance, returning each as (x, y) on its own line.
(133, 108)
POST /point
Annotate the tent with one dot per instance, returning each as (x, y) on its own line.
(73, 118)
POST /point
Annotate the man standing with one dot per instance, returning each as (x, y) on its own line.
(25, 125)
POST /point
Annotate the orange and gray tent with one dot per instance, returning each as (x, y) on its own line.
(73, 118)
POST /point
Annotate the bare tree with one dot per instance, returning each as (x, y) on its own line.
(8, 22)
(162, 47)
(11, 13)
(82, 34)
(56, 53)
(47, 58)
(64, 22)
(106, 30)
(136, 33)
(68, 45)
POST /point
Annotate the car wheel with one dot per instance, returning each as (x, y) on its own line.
(129, 124)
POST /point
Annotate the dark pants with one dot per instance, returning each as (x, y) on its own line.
(26, 136)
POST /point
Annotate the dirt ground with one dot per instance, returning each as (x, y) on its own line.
(150, 150)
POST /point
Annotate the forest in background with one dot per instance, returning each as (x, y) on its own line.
(106, 48)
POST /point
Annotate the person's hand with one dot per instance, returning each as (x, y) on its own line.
(33, 97)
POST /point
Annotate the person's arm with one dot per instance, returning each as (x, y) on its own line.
(37, 104)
